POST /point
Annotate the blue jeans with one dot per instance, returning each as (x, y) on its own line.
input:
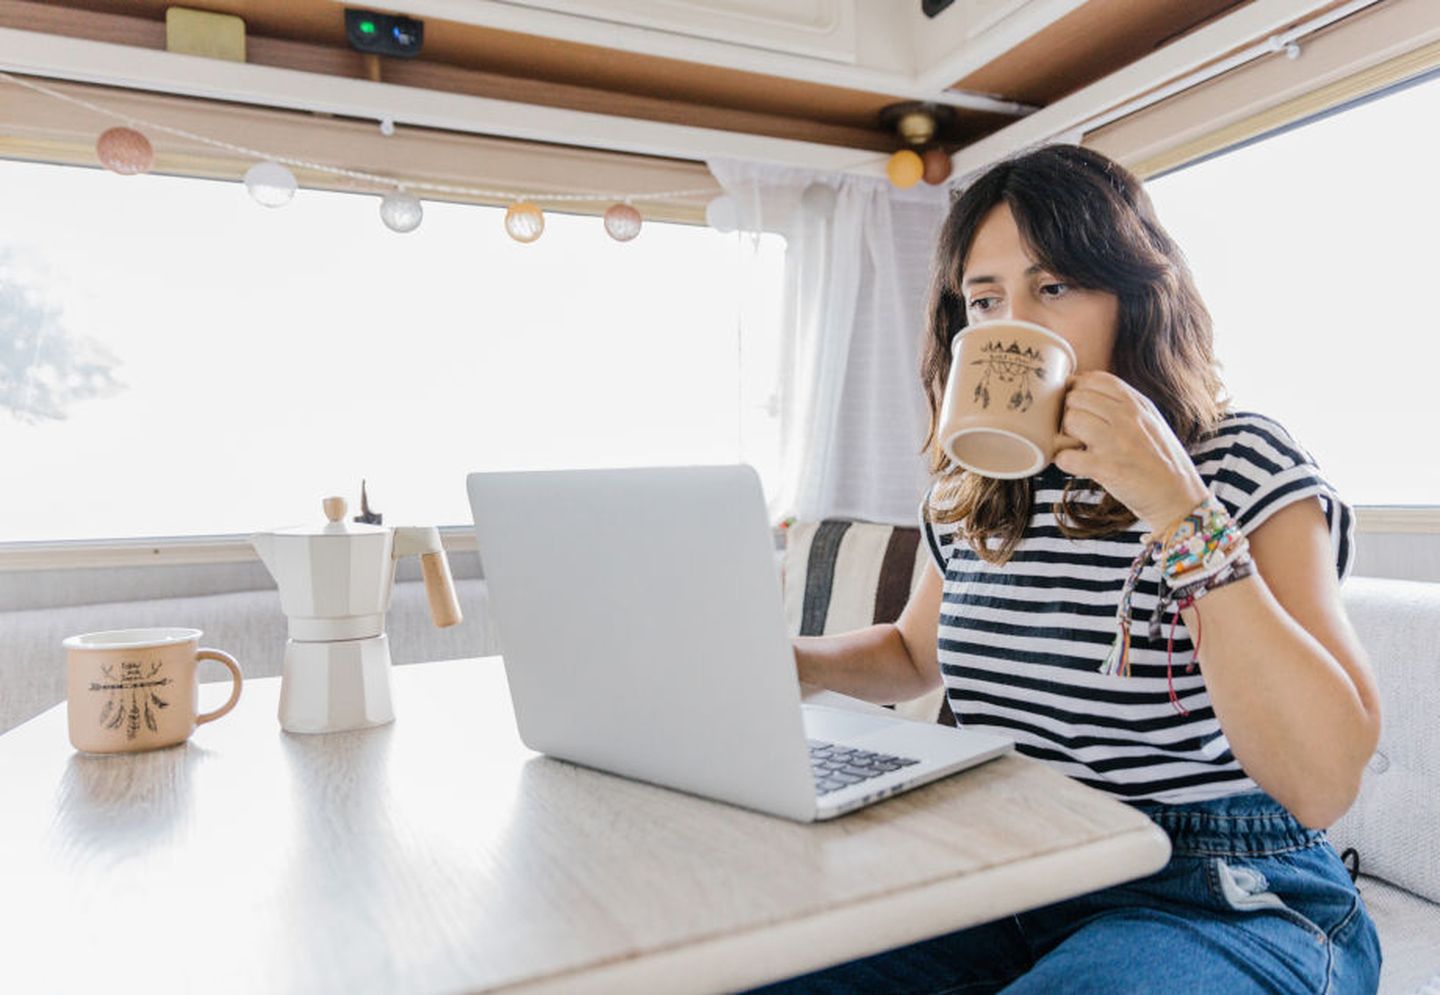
(1251, 901)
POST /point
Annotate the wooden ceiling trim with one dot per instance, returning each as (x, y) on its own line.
(1088, 44)
(336, 61)
(36, 127)
(525, 57)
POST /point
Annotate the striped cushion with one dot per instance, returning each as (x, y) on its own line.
(840, 576)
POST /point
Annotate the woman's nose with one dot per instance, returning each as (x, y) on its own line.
(1021, 311)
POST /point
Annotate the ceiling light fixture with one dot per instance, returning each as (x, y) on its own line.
(925, 128)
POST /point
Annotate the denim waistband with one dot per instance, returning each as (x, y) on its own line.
(1250, 824)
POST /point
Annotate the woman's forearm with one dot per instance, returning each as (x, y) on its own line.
(1292, 715)
(870, 663)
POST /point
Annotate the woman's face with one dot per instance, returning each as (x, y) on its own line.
(1001, 279)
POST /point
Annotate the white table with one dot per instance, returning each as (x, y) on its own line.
(438, 854)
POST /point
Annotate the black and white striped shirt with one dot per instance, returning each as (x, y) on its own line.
(1021, 644)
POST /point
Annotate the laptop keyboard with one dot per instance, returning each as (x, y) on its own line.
(836, 766)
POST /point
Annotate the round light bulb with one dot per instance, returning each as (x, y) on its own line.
(916, 127)
(722, 214)
(622, 222)
(937, 166)
(125, 151)
(524, 222)
(818, 199)
(401, 211)
(270, 184)
(905, 168)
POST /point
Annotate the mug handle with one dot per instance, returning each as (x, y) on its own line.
(235, 677)
(1063, 441)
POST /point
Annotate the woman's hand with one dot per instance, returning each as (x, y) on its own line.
(1128, 449)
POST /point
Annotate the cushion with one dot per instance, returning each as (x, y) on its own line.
(840, 576)
(1409, 928)
(1394, 825)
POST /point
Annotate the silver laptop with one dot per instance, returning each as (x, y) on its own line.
(643, 631)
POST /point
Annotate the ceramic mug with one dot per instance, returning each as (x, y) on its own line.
(1000, 416)
(136, 689)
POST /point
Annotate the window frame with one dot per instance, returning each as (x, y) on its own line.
(1361, 58)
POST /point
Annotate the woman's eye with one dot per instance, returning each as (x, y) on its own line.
(982, 304)
(1054, 289)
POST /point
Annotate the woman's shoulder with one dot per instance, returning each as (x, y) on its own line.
(1253, 438)
(1255, 466)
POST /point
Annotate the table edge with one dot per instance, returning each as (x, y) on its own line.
(779, 950)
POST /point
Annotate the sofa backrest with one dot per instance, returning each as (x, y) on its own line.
(839, 576)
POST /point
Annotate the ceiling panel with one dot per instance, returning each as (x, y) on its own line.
(818, 28)
(1089, 43)
(1082, 45)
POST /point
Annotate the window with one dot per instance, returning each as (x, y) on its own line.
(1314, 250)
(176, 360)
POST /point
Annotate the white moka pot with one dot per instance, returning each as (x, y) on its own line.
(335, 582)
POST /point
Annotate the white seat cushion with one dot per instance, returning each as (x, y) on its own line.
(1409, 928)
(1395, 823)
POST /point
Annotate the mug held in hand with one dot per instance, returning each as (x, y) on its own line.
(1004, 398)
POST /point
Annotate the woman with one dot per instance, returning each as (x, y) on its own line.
(1027, 619)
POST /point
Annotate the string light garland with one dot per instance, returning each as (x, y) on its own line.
(127, 151)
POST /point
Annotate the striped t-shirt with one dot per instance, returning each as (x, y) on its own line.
(1021, 644)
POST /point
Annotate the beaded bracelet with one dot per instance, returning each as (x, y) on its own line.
(1205, 550)
(1238, 568)
(1201, 543)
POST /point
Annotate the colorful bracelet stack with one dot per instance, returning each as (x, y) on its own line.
(1201, 544)
(1204, 551)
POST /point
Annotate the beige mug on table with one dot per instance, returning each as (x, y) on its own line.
(1000, 416)
(136, 689)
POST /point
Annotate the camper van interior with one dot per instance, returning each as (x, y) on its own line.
(284, 708)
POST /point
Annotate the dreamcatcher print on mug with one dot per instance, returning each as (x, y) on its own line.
(1014, 369)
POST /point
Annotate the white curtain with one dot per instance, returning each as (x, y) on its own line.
(851, 411)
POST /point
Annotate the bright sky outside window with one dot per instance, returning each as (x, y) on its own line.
(177, 360)
(1314, 250)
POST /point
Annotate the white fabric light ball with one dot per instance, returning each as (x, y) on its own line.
(401, 211)
(722, 214)
(818, 199)
(622, 222)
(270, 184)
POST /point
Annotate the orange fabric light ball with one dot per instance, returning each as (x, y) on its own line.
(937, 166)
(125, 151)
(524, 222)
(905, 168)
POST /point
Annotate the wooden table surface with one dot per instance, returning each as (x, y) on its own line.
(438, 854)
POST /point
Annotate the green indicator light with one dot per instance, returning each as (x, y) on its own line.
(367, 27)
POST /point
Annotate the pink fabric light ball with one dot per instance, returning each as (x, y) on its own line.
(125, 151)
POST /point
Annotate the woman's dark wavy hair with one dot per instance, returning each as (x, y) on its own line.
(1088, 221)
